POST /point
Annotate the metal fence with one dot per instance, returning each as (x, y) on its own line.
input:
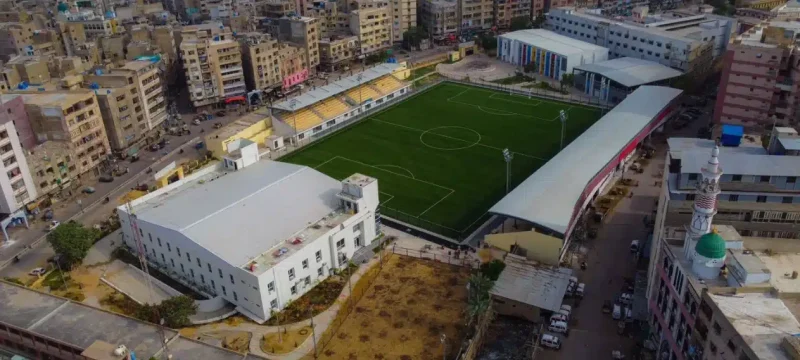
(465, 260)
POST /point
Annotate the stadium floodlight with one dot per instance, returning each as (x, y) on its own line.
(292, 105)
(507, 156)
(562, 115)
(360, 91)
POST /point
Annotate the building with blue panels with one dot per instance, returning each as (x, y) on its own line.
(552, 54)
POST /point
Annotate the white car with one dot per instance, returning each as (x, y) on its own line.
(37, 271)
(550, 341)
(53, 225)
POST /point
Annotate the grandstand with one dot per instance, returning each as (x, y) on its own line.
(332, 104)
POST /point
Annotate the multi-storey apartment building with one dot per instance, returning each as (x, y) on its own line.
(404, 17)
(303, 32)
(685, 43)
(476, 15)
(17, 187)
(506, 10)
(16, 39)
(276, 9)
(119, 116)
(337, 51)
(332, 19)
(94, 25)
(212, 63)
(293, 68)
(261, 61)
(440, 17)
(760, 78)
(372, 24)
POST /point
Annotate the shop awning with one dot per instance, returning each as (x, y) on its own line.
(233, 99)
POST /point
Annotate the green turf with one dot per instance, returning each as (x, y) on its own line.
(437, 156)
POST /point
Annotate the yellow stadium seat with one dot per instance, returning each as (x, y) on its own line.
(331, 108)
(362, 93)
(387, 84)
(302, 119)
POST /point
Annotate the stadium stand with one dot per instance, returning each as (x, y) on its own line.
(303, 119)
(330, 108)
(366, 92)
(387, 84)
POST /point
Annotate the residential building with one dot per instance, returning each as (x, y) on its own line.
(683, 42)
(16, 39)
(760, 77)
(292, 61)
(294, 227)
(261, 61)
(504, 11)
(17, 187)
(276, 9)
(551, 54)
(216, 9)
(71, 136)
(373, 27)
(440, 17)
(710, 288)
(119, 117)
(333, 20)
(212, 63)
(95, 26)
(303, 32)
(476, 15)
(404, 17)
(336, 52)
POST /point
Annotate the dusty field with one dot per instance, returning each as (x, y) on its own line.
(404, 312)
(285, 343)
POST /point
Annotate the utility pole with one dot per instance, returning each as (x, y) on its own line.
(443, 339)
(292, 105)
(562, 115)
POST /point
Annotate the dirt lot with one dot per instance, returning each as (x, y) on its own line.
(403, 313)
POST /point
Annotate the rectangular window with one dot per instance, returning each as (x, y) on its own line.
(761, 199)
(177, 249)
(235, 296)
(308, 280)
(172, 261)
(764, 179)
(198, 263)
(319, 272)
(232, 282)
(291, 274)
(188, 257)
(182, 269)
(294, 290)
(319, 255)
(150, 236)
(163, 259)
(305, 264)
(271, 286)
(737, 178)
(791, 179)
(191, 271)
(733, 198)
(692, 177)
(202, 279)
(224, 291)
(220, 273)
(159, 241)
(209, 268)
(169, 248)
(213, 284)
(340, 244)
(273, 304)
(787, 200)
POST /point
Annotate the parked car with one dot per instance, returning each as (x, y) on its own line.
(550, 341)
(39, 271)
(217, 125)
(558, 327)
(106, 178)
(53, 225)
(196, 122)
(221, 113)
(634, 246)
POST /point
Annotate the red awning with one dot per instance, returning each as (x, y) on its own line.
(235, 98)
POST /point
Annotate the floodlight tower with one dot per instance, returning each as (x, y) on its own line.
(292, 105)
(562, 115)
(507, 156)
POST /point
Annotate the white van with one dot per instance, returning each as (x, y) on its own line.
(628, 314)
(558, 327)
(566, 313)
(579, 290)
(550, 341)
(558, 317)
(626, 298)
(634, 246)
(617, 313)
(567, 308)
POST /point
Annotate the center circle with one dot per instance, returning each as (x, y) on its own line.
(454, 142)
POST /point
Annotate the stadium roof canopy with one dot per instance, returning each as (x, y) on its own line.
(336, 87)
(549, 196)
(631, 72)
(550, 41)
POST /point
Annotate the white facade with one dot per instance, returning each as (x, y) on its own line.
(552, 54)
(682, 44)
(270, 236)
(16, 183)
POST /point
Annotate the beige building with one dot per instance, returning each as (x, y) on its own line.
(292, 60)
(212, 62)
(373, 27)
(440, 17)
(476, 14)
(404, 17)
(303, 32)
(276, 8)
(332, 19)
(69, 126)
(261, 61)
(337, 51)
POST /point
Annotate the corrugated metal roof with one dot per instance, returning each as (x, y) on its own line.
(549, 196)
(336, 87)
(244, 213)
(531, 283)
(545, 39)
(631, 72)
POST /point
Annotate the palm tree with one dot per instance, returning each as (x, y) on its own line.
(478, 299)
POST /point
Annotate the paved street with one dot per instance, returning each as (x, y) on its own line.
(92, 210)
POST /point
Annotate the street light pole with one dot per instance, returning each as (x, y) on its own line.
(562, 115)
(507, 156)
(292, 105)
(443, 339)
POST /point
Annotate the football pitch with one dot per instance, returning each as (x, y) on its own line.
(438, 155)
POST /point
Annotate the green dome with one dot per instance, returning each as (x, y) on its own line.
(711, 245)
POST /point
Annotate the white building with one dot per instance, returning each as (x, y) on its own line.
(553, 55)
(681, 41)
(257, 233)
(16, 183)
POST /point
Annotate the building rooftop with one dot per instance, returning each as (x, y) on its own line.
(551, 41)
(761, 319)
(531, 283)
(239, 215)
(137, 65)
(241, 123)
(631, 72)
(789, 143)
(80, 325)
(62, 99)
(745, 159)
(561, 182)
(336, 87)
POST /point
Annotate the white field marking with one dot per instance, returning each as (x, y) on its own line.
(507, 113)
(387, 200)
(398, 167)
(528, 103)
(454, 138)
(422, 181)
(493, 113)
(469, 144)
(329, 160)
(436, 203)
(457, 95)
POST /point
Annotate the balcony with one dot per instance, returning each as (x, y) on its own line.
(5, 141)
(784, 85)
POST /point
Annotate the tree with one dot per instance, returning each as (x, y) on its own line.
(478, 299)
(493, 269)
(532, 67)
(488, 41)
(175, 311)
(567, 80)
(521, 23)
(72, 241)
(413, 36)
(539, 21)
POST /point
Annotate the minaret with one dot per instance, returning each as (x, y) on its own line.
(705, 203)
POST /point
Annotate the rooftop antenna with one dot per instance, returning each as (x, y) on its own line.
(141, 254)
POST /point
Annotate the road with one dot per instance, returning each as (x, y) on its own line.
(29, 244)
